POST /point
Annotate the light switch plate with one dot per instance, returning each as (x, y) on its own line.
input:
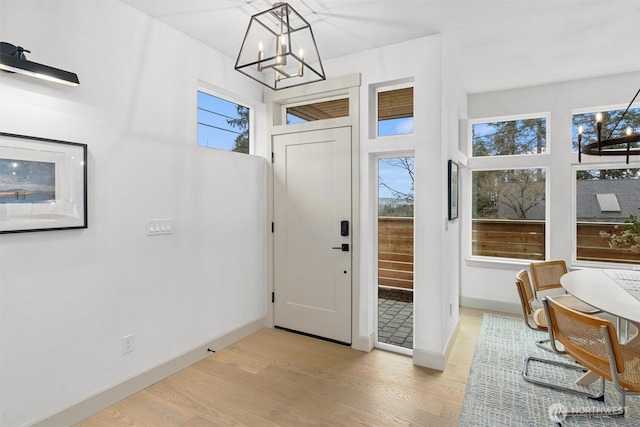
(159, 226)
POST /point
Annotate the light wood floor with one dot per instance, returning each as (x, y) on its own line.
(277, 378)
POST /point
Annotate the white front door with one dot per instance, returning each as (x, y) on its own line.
(312, 212)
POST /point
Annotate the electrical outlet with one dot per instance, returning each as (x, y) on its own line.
(127, 344)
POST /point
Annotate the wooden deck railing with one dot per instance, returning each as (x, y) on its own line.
(526, 240)
(508, 239)
(592, 247)
(494, 238)
(395, 252)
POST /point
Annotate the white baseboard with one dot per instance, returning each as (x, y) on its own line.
(452, 340)
(432, 360)
(93, 404)
(364, 343)
(429, 359)
(483, 304)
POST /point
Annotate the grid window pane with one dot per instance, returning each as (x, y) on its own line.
(395, 112)
(513, 137)
(318, 111)
(609, 128)
(508, 213)
(222, 124)
(607, 203)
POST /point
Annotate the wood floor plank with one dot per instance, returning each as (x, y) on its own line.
(214, 399)
(141, 409)
(277, 378)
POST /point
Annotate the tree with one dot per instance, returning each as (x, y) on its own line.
(595, 174)
(241, 143)
(523, 191)
(609, 121)
(519, 190)
(496, 193)
(510, 137)
(401, 203)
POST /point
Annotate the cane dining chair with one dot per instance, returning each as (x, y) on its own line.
(533, 318)
(592, 342)
(545, 276)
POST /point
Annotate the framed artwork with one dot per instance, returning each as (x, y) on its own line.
(43, 184)
(453, 189)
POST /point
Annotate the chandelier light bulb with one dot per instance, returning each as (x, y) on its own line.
(282, 50)
(598, 117)
(300, 63)
(260, 56)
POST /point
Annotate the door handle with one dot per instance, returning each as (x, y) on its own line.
(343, 248)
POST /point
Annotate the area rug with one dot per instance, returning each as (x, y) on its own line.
(497, 395)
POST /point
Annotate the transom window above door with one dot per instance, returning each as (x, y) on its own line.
(322, 110)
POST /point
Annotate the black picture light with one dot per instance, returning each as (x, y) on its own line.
(13, 60)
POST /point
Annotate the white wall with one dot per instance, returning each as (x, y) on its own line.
(454, 109)
(68, 297)
(435, 276)
(491, 284)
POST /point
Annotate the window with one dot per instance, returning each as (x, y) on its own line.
(395, 112)
(607, 200)
(508, 204)
(318, 111)
(395, 252)
(609, 121)
(222, 124)
(513, 137)
(508, 213)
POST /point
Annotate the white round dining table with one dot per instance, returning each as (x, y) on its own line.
(613, 291)
(601, 289)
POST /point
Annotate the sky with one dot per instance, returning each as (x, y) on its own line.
(396, 177)
(214, 132)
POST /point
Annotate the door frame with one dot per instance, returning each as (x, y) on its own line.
(276, 101)
(374, 158)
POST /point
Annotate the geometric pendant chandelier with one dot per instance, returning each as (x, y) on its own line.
(279, 49)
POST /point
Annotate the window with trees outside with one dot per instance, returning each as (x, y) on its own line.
(222, 124)
(607, 197)
(508, 204)
(609, 121)
(507, 138)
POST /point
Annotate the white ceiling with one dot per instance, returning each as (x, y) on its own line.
(497, 44)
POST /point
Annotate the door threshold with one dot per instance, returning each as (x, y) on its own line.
(313, 336)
